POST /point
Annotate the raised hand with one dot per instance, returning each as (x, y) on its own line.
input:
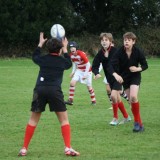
(65, 43)
(42, 40)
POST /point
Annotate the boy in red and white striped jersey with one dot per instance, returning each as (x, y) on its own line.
(81, 72)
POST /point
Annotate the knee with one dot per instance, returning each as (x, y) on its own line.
(89, 88)
(108, 91)
(113, 98)
(72, 83)
(133, 99)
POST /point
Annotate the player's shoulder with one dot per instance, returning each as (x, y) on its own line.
(113, 49)
(120, 50)
(100, 51)
(80, 52)
(137, 49)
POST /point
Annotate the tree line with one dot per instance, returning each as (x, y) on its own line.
(22, 20)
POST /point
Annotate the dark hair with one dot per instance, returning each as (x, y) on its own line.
(54, 45)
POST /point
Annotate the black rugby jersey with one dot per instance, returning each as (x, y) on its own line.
(51, 66)
(120, 62)
(100, 58)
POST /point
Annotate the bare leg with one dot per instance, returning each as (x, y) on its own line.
(108, 90)
(34, 118)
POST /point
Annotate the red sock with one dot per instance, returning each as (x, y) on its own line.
(115, 110)
(122, 109)
(136, 112)
(28, 135)
(66, 133)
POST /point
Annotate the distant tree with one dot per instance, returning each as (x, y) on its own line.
(117, 15)
(22, 20)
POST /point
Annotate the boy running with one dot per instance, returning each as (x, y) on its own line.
(104, 56)
(126, 66)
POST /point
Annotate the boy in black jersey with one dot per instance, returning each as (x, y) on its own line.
(103, 57)
(48, 90)
(126, 66)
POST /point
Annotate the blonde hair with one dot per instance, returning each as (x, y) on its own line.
(130, 35)
(107, 35)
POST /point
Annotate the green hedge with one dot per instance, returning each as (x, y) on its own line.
(148, 40)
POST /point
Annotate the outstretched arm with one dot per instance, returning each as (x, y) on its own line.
(65, 43)
(37, 52)
(42, 40)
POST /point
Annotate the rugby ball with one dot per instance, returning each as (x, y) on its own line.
(57, 31)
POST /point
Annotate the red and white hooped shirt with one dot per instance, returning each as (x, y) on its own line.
(80, 60)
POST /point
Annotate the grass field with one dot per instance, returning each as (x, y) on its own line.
(92, 135)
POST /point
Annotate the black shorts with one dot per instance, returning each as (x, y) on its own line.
(51, 95)
(133, 80)
(114, 85)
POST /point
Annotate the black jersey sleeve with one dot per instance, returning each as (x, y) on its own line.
(114, 63)
(143, 61)
(96, 64)
(36, 55)
(68, 62)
